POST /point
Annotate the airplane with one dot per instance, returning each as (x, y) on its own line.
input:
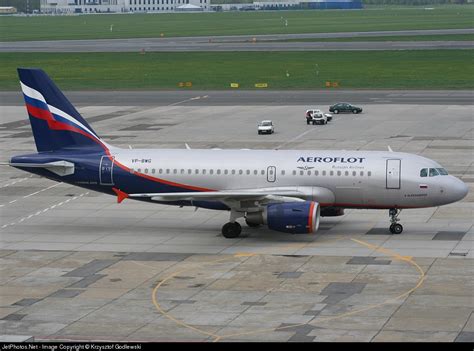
(287, 190)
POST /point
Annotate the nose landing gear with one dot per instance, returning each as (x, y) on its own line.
(395, 228)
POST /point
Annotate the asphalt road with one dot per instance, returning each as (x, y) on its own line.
(243, 43)
(256, 97)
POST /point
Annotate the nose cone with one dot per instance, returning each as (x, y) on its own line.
(457, 190)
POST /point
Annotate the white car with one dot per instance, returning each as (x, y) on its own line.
(316, 116)
(265, 127)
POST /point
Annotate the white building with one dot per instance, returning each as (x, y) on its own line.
(101, 6)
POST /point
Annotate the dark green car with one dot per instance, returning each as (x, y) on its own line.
(344, 107)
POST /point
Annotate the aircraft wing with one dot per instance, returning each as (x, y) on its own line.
(232, 198)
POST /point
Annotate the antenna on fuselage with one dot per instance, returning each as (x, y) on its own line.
(187, 146)
(389, 148)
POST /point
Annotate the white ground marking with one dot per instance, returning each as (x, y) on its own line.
(15, 182)
(37, 213)
(27, 196)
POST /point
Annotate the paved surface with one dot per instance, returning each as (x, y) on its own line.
(219, 44)
(243, 43)
(77, 266)
(256, 97)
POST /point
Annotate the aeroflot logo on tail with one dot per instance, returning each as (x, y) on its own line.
(332, 159)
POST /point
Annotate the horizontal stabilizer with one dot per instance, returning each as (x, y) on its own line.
(61, 168)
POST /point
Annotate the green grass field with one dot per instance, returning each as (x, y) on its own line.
(232, 23)
(424, 69)
(442, 37)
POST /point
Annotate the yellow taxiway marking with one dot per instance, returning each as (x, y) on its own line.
(393, 255)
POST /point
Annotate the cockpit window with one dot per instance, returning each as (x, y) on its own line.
(442, 171)
(424, 172)
(433, 172)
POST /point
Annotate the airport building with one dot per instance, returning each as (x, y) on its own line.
(108, 6)
(292, 5)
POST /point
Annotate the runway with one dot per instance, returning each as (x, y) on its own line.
(243, 43)
(257, 97)
(78, 266)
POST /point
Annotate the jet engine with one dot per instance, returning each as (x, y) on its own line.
(289, 217)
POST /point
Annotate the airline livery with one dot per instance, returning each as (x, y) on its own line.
(287, 190)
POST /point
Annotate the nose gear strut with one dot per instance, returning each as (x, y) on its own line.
(395, 228)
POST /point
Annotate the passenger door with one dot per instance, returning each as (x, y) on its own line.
(105, 170)
(393, 171)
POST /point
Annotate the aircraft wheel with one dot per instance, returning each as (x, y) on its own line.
(396, 228)
(251, 224)
(231, 230)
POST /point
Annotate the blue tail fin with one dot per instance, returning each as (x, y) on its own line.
(55, 122)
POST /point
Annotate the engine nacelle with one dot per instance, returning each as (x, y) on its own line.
(294, 217)
(332, 212)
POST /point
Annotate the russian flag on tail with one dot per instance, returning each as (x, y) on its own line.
(55, 122)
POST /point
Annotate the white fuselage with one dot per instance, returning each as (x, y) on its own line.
(360, 179)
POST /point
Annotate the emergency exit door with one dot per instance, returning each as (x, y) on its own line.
(271, 174)
(393, 174)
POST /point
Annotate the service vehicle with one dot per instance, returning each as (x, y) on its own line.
(266, 127)
(342, 107)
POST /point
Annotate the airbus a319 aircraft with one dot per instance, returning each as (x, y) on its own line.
(287, 190)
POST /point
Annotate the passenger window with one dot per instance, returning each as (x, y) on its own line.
(369, 173)
(218, 171)
(316, 173)
(139, 170)
(361, 173)
(203, 171)
(175, 171)
(338, 173)
(233, 171)
(324, 173)
(248, 171)
(294, 172)
(211, 171)
(196, 171)
(301, 172)
(424, 172)
(160, 170)
(190, 171)
(255, 172)
(146, 170)
(331, 173)
(167, 171)
(433, 172)
(309, 172)
(262, 172)
(354, 173)
(240, 171)
(282, 172)
(182, 171)
(226, 171)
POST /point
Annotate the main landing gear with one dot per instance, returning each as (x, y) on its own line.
(395, 228)
(232, 229)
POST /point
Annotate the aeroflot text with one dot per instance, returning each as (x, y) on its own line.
(69, 347)
(332, 159)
